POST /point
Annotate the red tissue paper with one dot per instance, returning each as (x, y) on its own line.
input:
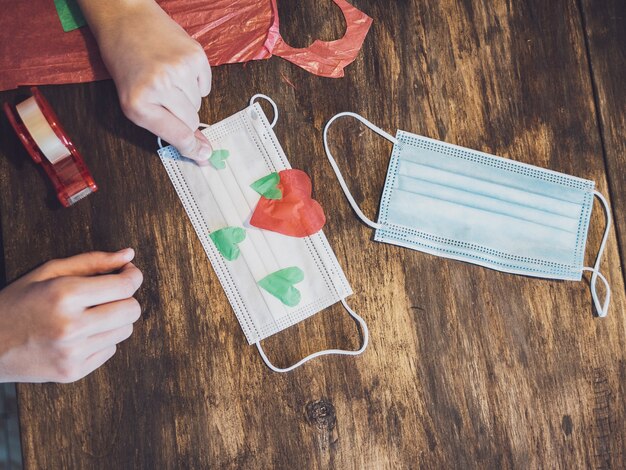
(35, 50)
(295, 214)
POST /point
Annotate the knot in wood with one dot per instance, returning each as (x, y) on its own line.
(321, 414)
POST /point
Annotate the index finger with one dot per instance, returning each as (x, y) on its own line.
(95, 290)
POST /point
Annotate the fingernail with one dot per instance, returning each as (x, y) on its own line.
(128, 253)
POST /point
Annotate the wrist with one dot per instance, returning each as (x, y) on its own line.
(104, 17)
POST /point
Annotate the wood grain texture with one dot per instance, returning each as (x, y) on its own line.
(605, 33)
(467, 368)
(605, 27)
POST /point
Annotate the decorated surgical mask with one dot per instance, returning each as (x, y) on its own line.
(470, 206)
(260, 229)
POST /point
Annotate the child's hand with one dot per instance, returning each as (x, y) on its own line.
(161, 74)
(63, 320)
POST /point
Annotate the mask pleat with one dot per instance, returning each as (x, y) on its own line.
(493, 189)
(461, 199)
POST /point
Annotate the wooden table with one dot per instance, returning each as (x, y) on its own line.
(467, 367)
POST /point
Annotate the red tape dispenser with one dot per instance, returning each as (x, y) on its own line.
(47, 143)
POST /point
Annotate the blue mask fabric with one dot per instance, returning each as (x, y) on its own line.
(471, 206)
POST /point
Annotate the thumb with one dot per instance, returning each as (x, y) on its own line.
(85, 264)
(191, 144)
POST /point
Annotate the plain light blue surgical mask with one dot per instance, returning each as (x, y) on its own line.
(470, 206)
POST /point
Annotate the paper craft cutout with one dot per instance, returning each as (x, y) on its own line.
(230, 32)
(267, 186)
(329, 58)
(70, 14)
(296, 214)
(226, 240)
(217, 158)
(280, 285)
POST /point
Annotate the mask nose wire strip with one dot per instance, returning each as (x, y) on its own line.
(271, 101)
(325, 352)
(333, 163)
(601, 308)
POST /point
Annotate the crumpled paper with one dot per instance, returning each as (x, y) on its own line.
(35, 50)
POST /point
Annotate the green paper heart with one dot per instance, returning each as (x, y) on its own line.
(226, 240)
(267, 186)
(280, 285)
(217, 158)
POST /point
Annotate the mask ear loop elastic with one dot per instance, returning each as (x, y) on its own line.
(326, 352)
(160, 142)
(333, 163)
(601, 308)
(271, 101)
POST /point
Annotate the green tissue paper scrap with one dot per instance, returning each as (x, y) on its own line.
(280, 285)
(226, 240)
(70, 15)
(267, 186)
(218, 158)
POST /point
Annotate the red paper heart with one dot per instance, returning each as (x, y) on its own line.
(296, 214)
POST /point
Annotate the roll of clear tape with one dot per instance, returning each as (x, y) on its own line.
(44, 136)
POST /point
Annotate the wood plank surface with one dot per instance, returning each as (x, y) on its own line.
(605, 33)
(467, 367)
(605, 28)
